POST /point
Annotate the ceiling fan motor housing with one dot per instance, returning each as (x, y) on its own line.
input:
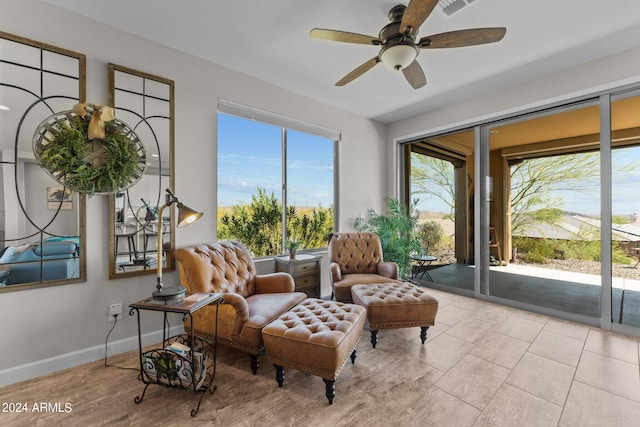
(398, 49)
(396, 13)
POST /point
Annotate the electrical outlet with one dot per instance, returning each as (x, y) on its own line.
(115, 312)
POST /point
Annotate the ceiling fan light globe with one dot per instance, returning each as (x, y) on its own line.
(398, 56)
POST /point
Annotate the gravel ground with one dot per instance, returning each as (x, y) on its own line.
(578, 266)
(589, 267)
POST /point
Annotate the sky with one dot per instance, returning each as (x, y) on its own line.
(250, 156)
(584, 196)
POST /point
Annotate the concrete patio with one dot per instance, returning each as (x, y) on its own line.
(571, 292)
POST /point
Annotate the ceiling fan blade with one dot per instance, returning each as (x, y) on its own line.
(344, 36)
(416, 13)
(357, 72)
(414, 75)
(469, 37)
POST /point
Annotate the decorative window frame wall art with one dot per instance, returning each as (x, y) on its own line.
(146, 103)
(36, 81)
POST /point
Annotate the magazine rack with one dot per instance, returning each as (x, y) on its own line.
(183, 361)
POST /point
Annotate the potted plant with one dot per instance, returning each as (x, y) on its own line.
(397, 233)
(292, 246)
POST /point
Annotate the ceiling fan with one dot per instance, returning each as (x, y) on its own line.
(399, 45)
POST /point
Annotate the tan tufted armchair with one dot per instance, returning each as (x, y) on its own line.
(356, 259)
(251, 301)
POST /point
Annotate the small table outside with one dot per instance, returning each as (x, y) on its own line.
(424, 261)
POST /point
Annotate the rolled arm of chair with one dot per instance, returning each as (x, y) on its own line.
(274, 283)
(240, 306)
(336, 274)
(388, 269)
(230, 316)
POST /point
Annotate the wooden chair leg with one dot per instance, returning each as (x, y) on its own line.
(254, 363)
(423, 333)
(330, 390)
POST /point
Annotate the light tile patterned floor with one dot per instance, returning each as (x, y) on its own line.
(482, 365)
(557, 372)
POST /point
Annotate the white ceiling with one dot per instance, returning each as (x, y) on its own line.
(269, 40)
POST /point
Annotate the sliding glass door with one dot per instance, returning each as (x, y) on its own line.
(544, 210)
(545, 207)
(625, 210)
(440, 191)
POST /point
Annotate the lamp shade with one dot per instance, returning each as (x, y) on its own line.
(186, 215)
(151, 215)
(399, 55)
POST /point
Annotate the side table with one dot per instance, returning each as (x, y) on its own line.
(424, 261)
(305, 270)
(184, 361)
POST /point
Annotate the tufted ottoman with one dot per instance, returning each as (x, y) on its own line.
(316, 337)
(396, 305)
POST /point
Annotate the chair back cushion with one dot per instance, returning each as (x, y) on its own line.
(356, 252)
(217, 267)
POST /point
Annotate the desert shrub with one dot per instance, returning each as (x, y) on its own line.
(430, 234)
(537, 250)
(541, 247)
(535, 257)
(447, 243)
(619, 256)
(583, 249)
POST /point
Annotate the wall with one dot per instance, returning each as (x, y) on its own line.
(57, 327)
(603, 74)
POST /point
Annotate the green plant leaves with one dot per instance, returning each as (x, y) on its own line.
(64, 155)
(396, 231)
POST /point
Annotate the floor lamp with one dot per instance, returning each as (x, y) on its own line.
(186, 216)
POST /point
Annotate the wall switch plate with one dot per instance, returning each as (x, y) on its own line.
(115, 312)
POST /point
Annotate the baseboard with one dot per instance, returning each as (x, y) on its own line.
(36, 369)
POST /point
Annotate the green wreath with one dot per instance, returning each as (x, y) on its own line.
(105, 166)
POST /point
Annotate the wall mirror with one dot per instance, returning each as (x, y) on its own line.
(145, 103)
(42, 224)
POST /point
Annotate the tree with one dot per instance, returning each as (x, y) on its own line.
(312, 228)
(258, 225)
(433, 177)
(534, 180)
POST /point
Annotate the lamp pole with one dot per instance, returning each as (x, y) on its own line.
(186, 216)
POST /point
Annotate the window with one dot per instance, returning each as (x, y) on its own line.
(275, 182)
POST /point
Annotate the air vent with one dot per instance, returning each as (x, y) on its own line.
(450, 7)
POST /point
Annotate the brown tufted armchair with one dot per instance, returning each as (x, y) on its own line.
(251, 301)
(355, 259)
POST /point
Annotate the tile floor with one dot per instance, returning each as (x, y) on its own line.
(520, 368)
(482, 365)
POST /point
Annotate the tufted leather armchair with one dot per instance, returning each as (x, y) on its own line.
(356, 259)
(251, 301)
